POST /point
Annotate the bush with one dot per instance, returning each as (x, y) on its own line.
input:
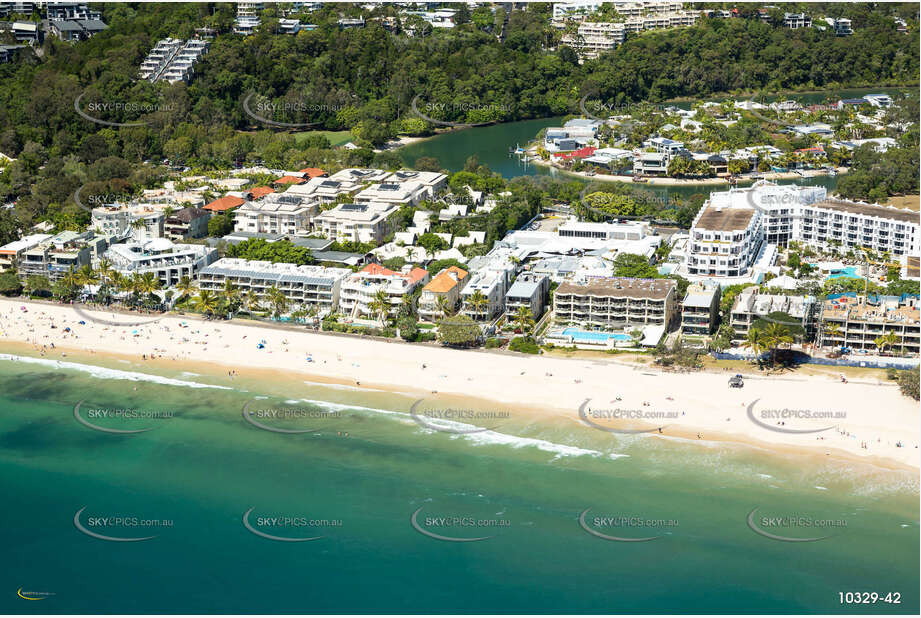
(494, 342)
(908, 383)
(525, 345)
(9, 284)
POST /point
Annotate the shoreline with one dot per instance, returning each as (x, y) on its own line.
(538, 388)
(677, 182)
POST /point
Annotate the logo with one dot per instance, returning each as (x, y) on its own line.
(115, 413)
(791, 521)
(444, 107)
(32, 595)
(584, 412)
(787, 413)
(120, 106)
(454, 522)
(621, 522)
(272, 107)
(452, 415)
(250, 417)
(111, 521)
(279, 521)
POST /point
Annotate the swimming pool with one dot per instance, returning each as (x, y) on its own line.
(587, 335)
(850, 271)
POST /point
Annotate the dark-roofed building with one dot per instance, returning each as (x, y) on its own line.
(187, 223)
(616, 302)
(76, 29)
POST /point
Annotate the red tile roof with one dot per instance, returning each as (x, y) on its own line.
(581, 153)
(225, 203)
(257, 192)
(416, 274)
(313, 172)
(289, 180)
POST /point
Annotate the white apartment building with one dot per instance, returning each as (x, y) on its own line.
(796, 20)
(725, 240)
(304, 286)
(169, 262)
(593, 38)
(780, 206)
(360, 289)
(394, 194)
(750, 306)
(276, 213)
(852, 225)
(140, 222)
(172, 60)
(325, 190)
(356, 222)
(634, 230)
(434, 182)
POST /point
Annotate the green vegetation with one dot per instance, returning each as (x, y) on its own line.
(525, 345)
(280, 251)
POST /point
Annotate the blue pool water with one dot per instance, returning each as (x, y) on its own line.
(850, 271)
(587, 335)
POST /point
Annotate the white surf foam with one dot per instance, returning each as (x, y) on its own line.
(105, 372)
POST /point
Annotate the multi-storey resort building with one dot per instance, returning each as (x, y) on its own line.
(169, 262)
(616, 302)
(303, 286)
(360, 289)
(751, 306)
(873, 323)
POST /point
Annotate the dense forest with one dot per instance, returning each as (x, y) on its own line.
(366, 80)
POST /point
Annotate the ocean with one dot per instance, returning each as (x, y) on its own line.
(285, 496)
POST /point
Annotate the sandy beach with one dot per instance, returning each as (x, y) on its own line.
(866, 420)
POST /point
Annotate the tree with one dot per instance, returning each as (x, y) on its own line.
(9, 284)
(774, 336)
(206, 302)
(723, 339)
(380, 305)
(186, 288)
(458, 331)
(755, 341)
(477, 302)
(525, 320)
(908, 383)
(37, 285)
(277, 300)
(631, 265)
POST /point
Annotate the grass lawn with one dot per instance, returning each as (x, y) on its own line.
(336, 138)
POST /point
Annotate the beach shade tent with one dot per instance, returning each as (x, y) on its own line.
(259, 346)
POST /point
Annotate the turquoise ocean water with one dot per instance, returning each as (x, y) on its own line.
(366, 467)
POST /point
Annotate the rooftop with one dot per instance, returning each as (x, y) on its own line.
(870, 210)
(725, 219)
(620, 287)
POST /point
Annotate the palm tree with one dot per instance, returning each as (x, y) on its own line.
(830, 329)
(87, 276)
(231, 295)
(105, 270)
(776, 335)
(186, 288)
(755, 341)
(524, 319)
(444, 307)
(477, 301)
(206, 302)
(380, 305)
(278, 301)
(886, 341)
(252, 301)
